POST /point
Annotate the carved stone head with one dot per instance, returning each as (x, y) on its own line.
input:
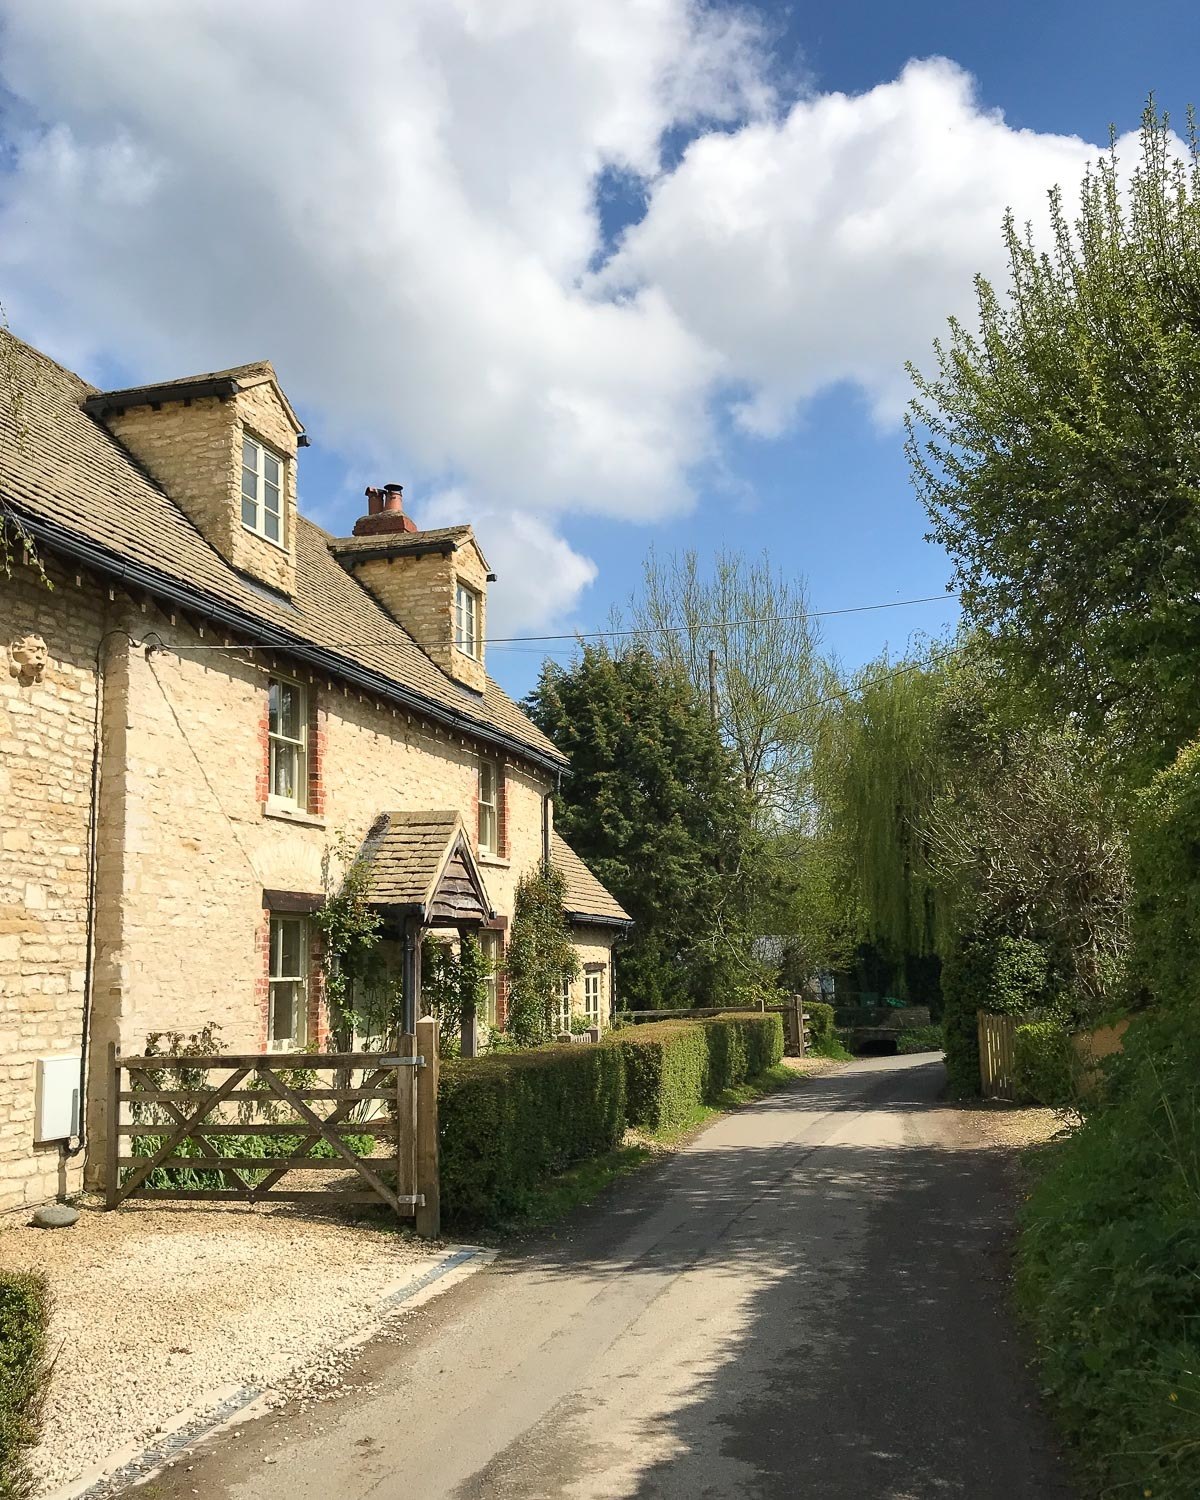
(27, 659)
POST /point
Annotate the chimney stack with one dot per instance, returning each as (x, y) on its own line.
(385, 512)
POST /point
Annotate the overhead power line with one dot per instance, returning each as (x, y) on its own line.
(597, 635)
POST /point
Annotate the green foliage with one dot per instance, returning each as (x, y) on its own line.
(24, 1373)
(921, 1039)
(540, 953)
(879, 767)
(1055, 452)
(1045, 1065)
(1165, 853)
(351, 927)
(1006, 975)
(507, 1122)
(673, 1067)
(820, 1023)
(654, 804)
(453, 985)
(1108, 1264)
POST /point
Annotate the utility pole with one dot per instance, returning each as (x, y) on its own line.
(712, 684)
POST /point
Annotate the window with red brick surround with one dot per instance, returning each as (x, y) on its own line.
(316, 726)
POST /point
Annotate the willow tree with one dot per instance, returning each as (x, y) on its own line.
(879, 770)
(1056, 448)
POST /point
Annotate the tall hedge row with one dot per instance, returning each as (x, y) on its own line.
(24, 1313)
(673, 1066)
(509, 1121)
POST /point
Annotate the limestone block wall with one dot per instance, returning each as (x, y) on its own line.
(195, 453)
(420, 591)
(46, 738)
(187, 846)
(594, 947)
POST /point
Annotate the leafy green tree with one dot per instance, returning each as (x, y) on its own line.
(655, 805)
(1057, 452)
(768, 670)
(540, 955)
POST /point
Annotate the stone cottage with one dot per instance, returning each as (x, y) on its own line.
(210, 703)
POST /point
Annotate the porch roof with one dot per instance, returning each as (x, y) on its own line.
(422, 862)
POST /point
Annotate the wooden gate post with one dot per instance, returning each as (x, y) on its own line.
(112, 1126)
(429, 1213)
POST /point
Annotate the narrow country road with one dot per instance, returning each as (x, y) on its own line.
(809, 1301)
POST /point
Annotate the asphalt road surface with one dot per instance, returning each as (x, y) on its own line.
(809, 1301)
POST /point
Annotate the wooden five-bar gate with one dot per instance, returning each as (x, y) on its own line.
(371, 1116)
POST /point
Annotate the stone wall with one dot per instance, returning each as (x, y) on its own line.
(187, 846)
(46, 739)
(195, 453)
(419, 592)
(594, 947)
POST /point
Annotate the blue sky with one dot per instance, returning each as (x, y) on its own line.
(597, 280)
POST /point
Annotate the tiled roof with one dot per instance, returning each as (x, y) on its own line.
(584, 896)
(62, 468)
(407, 853)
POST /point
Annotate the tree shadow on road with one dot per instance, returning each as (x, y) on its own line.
(870, 1352)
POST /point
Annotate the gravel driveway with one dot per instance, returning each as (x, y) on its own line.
(157, 1308)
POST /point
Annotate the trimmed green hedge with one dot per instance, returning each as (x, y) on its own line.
(820, 1025)
(24, 1314)
(509, 1121)
(671, 1067)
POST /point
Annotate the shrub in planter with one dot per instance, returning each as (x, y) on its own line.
(24, 1313)
(1045, 1066)
(508, 1121)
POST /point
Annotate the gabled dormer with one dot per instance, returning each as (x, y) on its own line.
(223, 446)
(433, 582)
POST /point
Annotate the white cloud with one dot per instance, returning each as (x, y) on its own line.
(397, 204)
(831, 244)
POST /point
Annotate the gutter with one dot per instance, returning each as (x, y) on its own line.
(271, 637)
(586, 919)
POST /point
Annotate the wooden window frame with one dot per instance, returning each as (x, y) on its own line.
(594, 977)
(256, 500)
(490, 808)
(277, 922)
(491, 940)
(300, 748)
(467, 638)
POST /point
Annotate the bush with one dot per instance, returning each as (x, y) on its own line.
(24, 1313)
(510, 1120)
(1045, 1065)
(821, 1035)
(921, 1039)
(673, 1067)
(1109, 1262)
(1005, 975)
(1166, 877)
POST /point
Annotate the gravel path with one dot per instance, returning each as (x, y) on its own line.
(157, 1308)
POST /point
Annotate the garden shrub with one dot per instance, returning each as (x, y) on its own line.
(821, 1034)
(1045, 1064)
(510, 1120)
(921, 1039)
(1164, 846)
(24, 1314)
(673, 1067)
(1109, 1262)
(1005, 975)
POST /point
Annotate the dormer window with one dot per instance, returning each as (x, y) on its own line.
(466, 621)
(262, 491)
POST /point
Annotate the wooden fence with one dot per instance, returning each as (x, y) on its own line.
(168, 1116)
(997, 1053)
